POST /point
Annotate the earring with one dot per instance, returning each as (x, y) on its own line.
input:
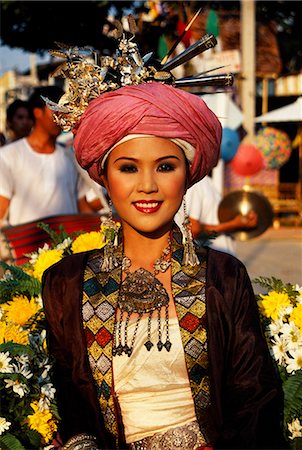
(189, 258)
(110, 230)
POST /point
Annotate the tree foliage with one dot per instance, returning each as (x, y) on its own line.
(35, 26)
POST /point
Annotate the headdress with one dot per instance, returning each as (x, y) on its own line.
(111, 97)
(90, 75)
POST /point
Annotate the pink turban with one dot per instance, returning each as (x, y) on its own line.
(150, 109)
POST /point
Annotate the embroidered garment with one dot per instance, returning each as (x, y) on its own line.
(246, 393)
(100, 298)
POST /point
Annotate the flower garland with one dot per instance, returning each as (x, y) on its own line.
(29, 417)
(281, 313)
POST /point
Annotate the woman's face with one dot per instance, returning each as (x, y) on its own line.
(146, 180)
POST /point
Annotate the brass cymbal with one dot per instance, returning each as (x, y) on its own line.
(242, 202)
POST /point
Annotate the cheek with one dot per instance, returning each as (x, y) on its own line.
(175, 186)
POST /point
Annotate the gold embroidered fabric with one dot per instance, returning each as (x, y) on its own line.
(101, 291)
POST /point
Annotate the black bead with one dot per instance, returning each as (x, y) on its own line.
(148, 345)
(167, 345)
(119, 350)
(160, 345)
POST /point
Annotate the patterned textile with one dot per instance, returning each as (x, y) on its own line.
(100, 297)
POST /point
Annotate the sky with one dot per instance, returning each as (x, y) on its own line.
(15, 58)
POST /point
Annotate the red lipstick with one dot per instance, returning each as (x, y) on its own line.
(147, 206)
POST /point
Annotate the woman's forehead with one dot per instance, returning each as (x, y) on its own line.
(146, 149)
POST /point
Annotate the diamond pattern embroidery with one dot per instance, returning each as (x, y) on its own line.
(103, 337)
(190, 322)
(89, 337)
(91, 287)
(103, 364)
(88, 311)
(104, 311)
(194, 348)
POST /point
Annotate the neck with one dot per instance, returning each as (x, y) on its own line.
(143, 249)
(42, 142)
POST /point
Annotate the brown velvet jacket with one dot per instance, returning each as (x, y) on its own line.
(246, 395)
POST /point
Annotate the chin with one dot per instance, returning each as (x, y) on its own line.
(153, 227)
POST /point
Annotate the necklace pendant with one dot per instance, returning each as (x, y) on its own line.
(148, 345)
(168, 345)
(127, 350)
(160, 346)
(119, 349)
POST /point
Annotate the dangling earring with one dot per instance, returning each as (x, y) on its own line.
(189, 258)
(110, 230)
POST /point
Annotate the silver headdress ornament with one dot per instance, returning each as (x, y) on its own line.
(90, 75)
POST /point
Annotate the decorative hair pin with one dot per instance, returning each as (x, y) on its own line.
(90, 75)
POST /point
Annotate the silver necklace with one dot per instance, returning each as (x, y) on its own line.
(141, 292)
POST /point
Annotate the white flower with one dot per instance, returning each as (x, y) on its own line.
(295, 429)
(39, 301)
(279, 349)
(295, 362)
(299, 289)
(275, 327)
(1, 313)
(48, 390)
(19, 388)
(285, 311)
(34, 256)
(66, 243)
(292, 336)
(44, 404)
(5, 360)
(25, 372)
(22, 359)
(4, 424)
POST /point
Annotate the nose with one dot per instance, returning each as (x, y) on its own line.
(147, 182)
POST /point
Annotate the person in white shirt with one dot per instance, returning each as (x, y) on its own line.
(38, 177)
(202, 202)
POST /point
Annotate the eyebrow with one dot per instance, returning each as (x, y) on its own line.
(136, 160)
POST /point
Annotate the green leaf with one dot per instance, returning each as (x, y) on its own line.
(292, 388)
(16, 349)
(297, 444)
(34, 438)
(275, 284)
(10, 442)
(18, 282)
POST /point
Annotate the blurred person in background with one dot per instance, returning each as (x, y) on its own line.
(19, 121)
(39, 178)
(202, 203)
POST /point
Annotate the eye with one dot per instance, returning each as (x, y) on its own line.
(166, 167)
(128, 168)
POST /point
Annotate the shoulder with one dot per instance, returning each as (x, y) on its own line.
(68, 267)
(225, 270)
(8, 152)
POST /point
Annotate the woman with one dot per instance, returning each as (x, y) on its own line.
(157, 343)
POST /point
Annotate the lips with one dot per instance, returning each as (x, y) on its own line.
(147, 207)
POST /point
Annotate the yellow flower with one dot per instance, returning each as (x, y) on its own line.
(45, 260)
(42, 421)
(29, 271)
(272, 304)
(20, 309)
(296, 316)
(11, 332)
(88, 241)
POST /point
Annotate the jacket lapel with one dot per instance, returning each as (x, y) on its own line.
(101, 290)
